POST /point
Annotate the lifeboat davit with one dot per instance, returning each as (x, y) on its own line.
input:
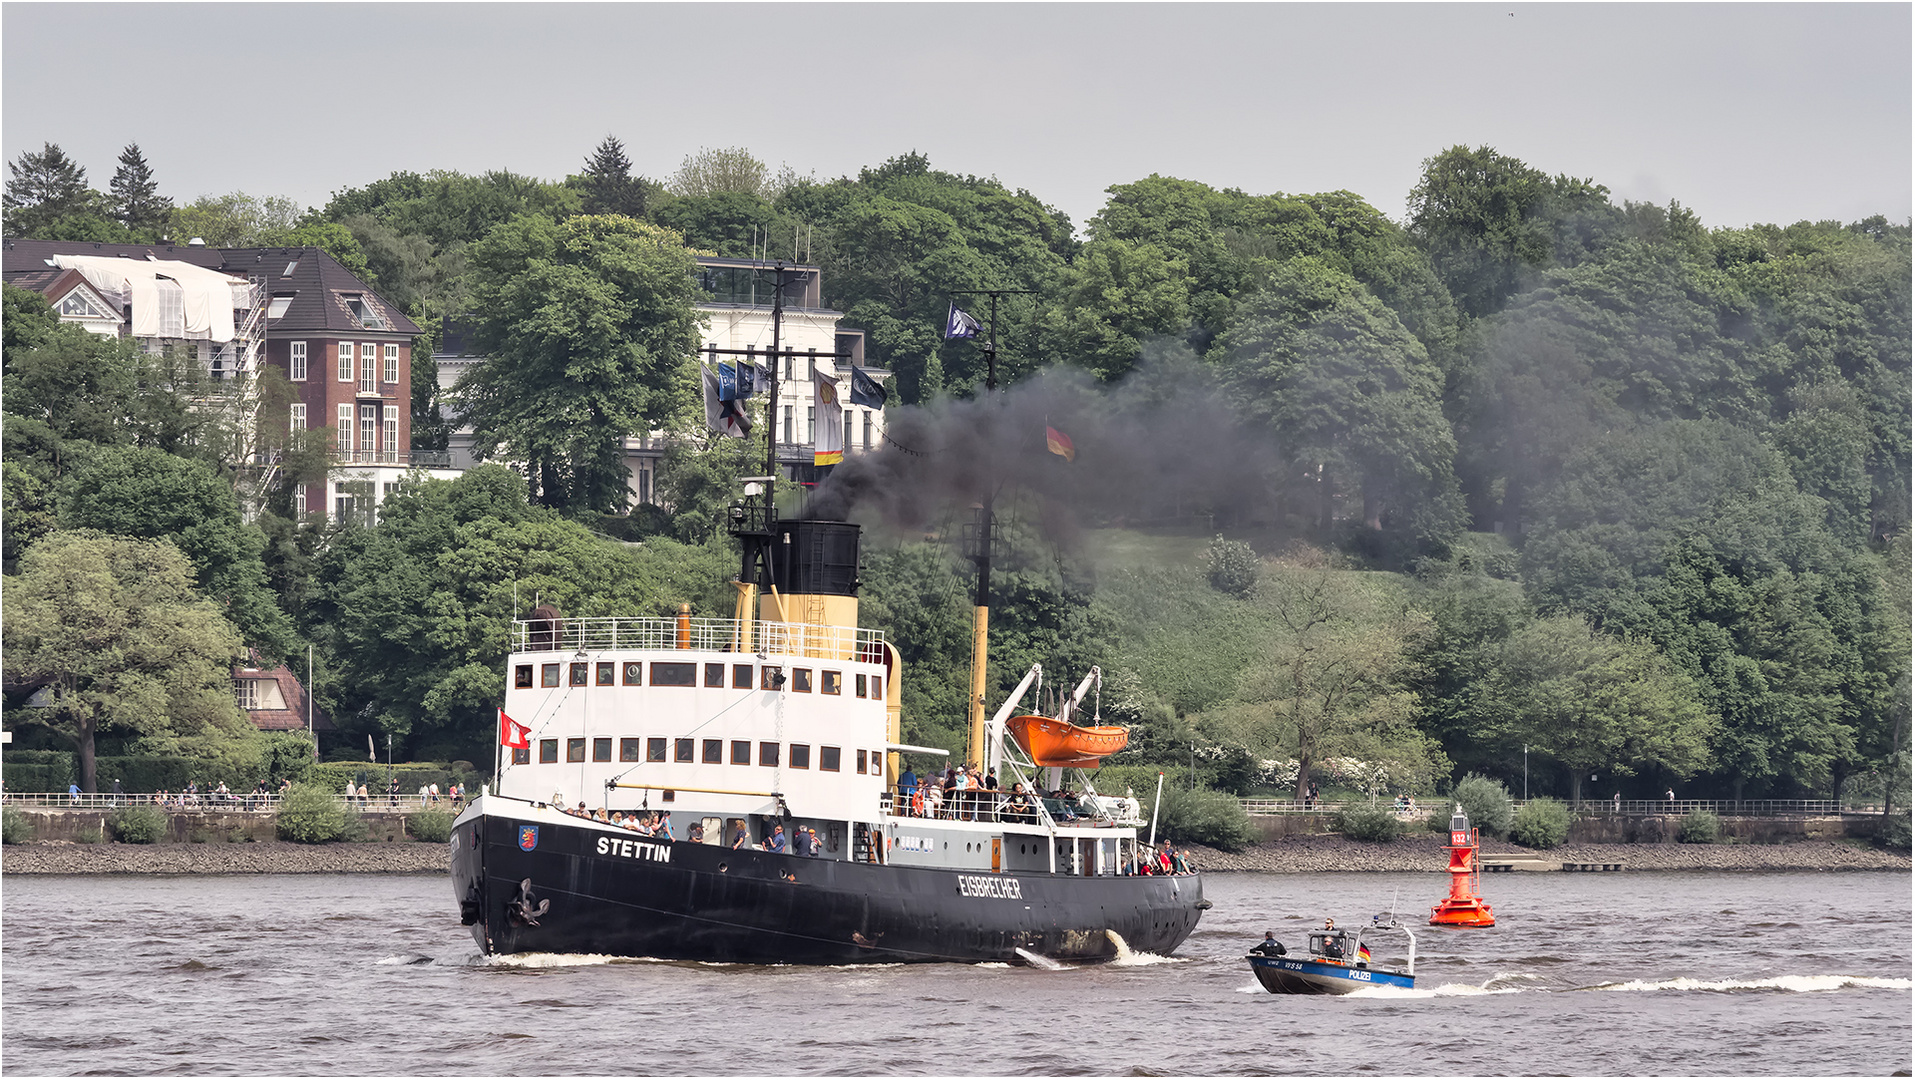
(1054, 743)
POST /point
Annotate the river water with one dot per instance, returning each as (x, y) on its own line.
(1600, 974)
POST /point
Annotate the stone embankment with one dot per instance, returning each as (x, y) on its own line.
(269, 857)
(1330, 852)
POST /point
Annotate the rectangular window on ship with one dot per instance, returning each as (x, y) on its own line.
(521, 755)
(522, 677)
(767, 753)
(860, 761)
(575, 749)
(674, 674)
(628, 750)
(578, 674)
(607, 672)
(877, 686)
(830, 682)
(601, 749)
(859, 684)
(740, 752)
(714, 751)
(800, 756)
(683, 751)
(634, 673)
(771, 678)
(714, 675)
(654, 749)
(548, 751)
(801, 680)
(549, 675)
(741, 676)
(828, 759)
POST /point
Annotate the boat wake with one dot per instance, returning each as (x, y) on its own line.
(533, 960)
(1040, 961)
(1794, 984)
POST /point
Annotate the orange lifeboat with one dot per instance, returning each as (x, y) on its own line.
(1054, 743)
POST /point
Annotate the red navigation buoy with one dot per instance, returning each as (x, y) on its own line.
(1462, 907)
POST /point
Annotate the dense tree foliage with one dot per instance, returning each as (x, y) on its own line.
(1531, 467)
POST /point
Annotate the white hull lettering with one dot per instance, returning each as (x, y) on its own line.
(634, 849)
(993, 887)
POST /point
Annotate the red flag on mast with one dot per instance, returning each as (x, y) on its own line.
(512, 733)
(1059, 443)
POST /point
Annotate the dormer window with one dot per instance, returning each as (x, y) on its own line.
(277, 308)
(290, 267)
(76, 306)
(361, 309)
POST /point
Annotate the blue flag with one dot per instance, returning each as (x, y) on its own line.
(865, 390)
(960, 324)
(736, 382)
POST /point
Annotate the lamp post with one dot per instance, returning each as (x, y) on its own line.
(1525, 772)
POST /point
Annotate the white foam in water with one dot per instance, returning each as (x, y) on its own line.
(1793, 983)
(1039, 960)
(547, 960)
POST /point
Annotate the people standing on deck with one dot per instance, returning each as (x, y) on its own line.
(933, 799)
(1270, 946)
(907, 789)
(740, 836)
(776, 842)
(1018, 806)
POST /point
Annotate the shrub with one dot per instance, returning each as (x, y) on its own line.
(138, 825)
(1893, 835)
(1486, 802)
(84, 835)
(1233, 566)
(1205, 817)
(429, 826)
(1370, 823)
(1699, 827)
(14, 826)
(1541, 823)
(310, 815)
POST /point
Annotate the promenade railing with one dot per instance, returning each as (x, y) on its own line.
(213, 804)
(1777, 808)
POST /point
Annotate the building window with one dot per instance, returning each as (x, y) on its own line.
(392, 363)
(601, 749)
(575, 749)
(368, 368)
(741, 676)
(345, 361)
(628, 750)
(714, 751)
(847, 429)
(740, 752)
(682, 750)
(369, 428)
(548, 751)
(800, 756)
(522, 677)
(299, 498)
(655, 749)
(788, 437)
(549, 675)
(715, 675)
(867, 430)
(830, 682)
(811, 423)
(246, 692)
(298, 420)
(296, 367)
(345, 429)
(605, 673)
(827, 759)
(673, 674)
(634, 673)
(801, 680)
(392, 433)
(521, 755)
(768, 753)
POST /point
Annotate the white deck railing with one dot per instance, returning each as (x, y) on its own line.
(712, 635)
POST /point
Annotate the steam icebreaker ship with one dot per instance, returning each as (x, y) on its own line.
(779, 721)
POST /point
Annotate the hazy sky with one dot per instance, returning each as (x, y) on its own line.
(1743, 112)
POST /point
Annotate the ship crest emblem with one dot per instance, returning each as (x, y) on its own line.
(528, 837)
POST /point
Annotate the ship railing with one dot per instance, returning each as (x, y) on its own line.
(213, 803)
(711, 635)
(990, 807)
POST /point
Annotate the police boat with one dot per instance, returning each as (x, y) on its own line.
(1336, 962)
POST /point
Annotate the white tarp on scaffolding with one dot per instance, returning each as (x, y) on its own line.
(170, 299)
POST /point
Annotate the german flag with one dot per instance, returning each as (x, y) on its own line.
(1362, 953)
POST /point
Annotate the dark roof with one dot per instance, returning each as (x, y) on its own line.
(293, 716)
(318, 284)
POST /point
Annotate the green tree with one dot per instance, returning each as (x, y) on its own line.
(137, 202)
(136, 492)
(588, 327)
(1475, 214)
(1118, 294)
(609, 186)
(47, 198)
(1597, 702)
(112, 629)
(713, 172)
(237, 220)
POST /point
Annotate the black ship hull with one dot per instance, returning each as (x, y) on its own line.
(620, 894)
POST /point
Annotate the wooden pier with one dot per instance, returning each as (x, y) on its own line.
(1496, 864)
